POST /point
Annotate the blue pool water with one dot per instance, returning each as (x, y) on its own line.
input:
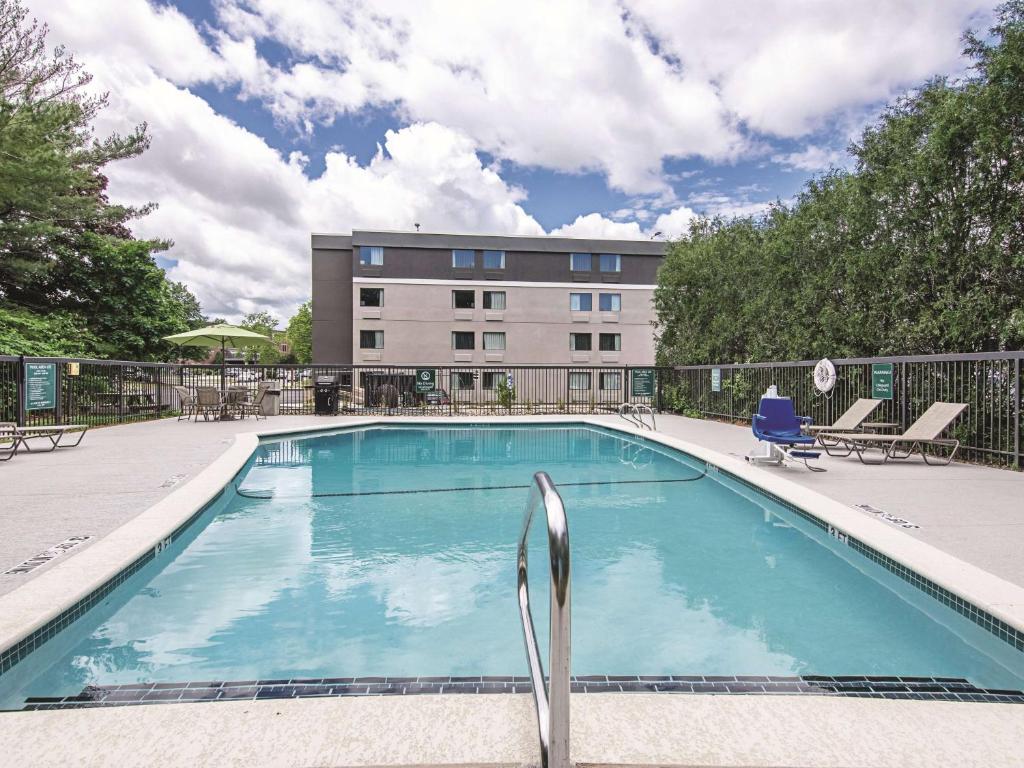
(392, 551)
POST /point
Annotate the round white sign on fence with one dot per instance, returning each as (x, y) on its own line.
(824, 375)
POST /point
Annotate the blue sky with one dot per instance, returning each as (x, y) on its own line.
(619, 118)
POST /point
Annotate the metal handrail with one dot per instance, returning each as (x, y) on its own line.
(623, 408)
(640, 408)
(552, 702)
(636, 415)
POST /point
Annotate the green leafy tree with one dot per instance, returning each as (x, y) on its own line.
(266, 324)
(918, 249)
(300, 333)
(57, 334)
(51, 183)
(127, 300)
(66, 253)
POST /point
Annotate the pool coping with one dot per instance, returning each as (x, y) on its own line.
(30, 614)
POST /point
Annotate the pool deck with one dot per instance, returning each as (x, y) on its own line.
(974, 513)
(120, 475)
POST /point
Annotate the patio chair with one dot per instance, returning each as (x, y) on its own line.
(10, 440)
(234, 398)
(188, 403)
(254, 407)
(777, 424)
(850, 420)
(924, 433)
(208, 400)
(55, 433)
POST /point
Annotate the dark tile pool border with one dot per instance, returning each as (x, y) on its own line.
(914, 688)
(14, 654)
(9, 657)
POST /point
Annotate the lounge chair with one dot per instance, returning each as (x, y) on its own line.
(851, 420)
(188, 403)
(54, 432)
(208, 400)
(925, 432)
(10, 440)
(254, 407)
(777, 423)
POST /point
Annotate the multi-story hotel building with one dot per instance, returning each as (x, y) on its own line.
(408, 298)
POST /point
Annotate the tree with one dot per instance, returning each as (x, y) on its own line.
(266, 324)
(918, 249)
(300, 333)
(51, 185)
(124, 296)
(65, 249)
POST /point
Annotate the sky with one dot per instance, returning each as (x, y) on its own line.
(272, 119)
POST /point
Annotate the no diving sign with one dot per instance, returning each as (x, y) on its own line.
(426, 379)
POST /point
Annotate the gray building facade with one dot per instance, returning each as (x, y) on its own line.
(398, 298)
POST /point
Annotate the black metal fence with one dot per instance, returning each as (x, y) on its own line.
(989, 383)
(98, 392)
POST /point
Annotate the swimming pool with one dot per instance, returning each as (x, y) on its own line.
(389, 552)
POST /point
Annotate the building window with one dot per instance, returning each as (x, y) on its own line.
(579, 342)
(494, 341)
(463, 340)
(371, 255)
(493, 378)
(581, 302)
(494, 259)
(494, 300)
(610, 342)
(579, 262)
(463, 299)
(611, 302)
(611, 380)
(579, 380)
(462, 380)
(611, 262)
(463, 259)
(371, 297)
(371, 339)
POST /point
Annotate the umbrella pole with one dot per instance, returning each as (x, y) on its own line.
(222, 353)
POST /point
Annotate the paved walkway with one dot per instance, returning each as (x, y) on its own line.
(974, 513)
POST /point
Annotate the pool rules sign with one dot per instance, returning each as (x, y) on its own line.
(426, 380)
(40, 386)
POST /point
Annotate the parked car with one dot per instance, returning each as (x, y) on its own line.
(436, 397)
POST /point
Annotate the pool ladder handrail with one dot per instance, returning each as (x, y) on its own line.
(635, 415)
(552, 702)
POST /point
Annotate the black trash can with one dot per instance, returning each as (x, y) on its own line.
(325, 396)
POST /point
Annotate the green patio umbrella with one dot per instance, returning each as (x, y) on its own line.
(222, 336)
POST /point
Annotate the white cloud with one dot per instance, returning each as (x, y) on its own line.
(570, 86)
(786, 67)
(812, 158)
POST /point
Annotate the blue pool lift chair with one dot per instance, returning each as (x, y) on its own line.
(777, 425)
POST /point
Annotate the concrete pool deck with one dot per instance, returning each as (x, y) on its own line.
(122, 473)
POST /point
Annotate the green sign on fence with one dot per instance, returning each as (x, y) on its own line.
(881, 381)
(426, 380)
(643, 382)
(40, 386)
(716, 379)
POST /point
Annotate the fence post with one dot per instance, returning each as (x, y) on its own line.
(59, 386)
(20, 405)
(903, 397)
(1016, 412)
